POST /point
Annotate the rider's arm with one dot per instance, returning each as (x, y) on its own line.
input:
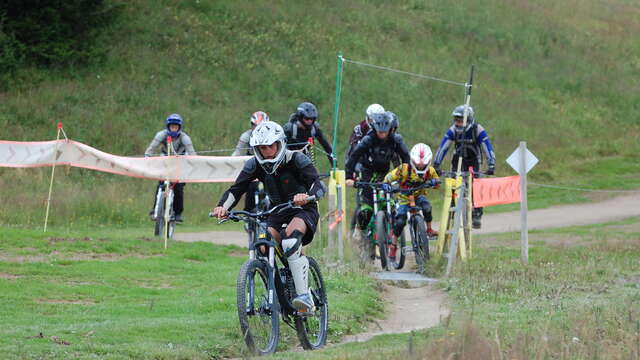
(432, 174)
(155, 143)
(402, 149)
(309, 175)
(243, 144)
(446, 142)
(360, 149)
(324, 143)
(249, 173)
(188, 145)
(393, 175)
(483, 139)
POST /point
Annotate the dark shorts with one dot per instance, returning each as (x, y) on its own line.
(308, 214)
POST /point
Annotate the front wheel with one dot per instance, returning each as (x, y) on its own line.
(420, 241)
(382, 234)
(312, 329)
(159, 226)
(259, 321)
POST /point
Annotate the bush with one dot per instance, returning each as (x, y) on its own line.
(52, 32)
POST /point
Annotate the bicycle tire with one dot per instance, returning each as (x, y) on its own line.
(421, 241)
(312, 330)
(381, 237)
(159, 226)
(400, 254)
(260, 340)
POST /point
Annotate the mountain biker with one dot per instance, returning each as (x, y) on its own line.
(360, 130)
(302, 126)
(471, 141)
(375, 152)
(419, 172)
(181, 145)
(243, 148)
(287, 175)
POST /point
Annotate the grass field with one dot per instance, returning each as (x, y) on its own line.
(119, 294)
(579, 298)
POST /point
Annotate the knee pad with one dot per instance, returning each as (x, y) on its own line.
(292, 245)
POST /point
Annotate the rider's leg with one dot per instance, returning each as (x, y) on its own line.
(424, 203)
(366, 200)
(298, 263)
(400, 220)
(178, 200)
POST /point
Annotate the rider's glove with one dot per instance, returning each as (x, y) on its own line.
(433, 182)
(491, 170)
(385, 187)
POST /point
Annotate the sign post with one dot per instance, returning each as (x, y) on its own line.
(522, 160)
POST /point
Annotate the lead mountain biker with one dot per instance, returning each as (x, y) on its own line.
(182, 145)
(243, 148)
(375, 153)
(302, 126)
(287, 176)
(419, 172)
(471, 142)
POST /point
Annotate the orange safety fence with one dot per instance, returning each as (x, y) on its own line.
(496, 191)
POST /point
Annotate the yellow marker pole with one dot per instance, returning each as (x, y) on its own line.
(53, 171)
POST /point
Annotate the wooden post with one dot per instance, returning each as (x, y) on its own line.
(524, 231)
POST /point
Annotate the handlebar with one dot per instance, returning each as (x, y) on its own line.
(375, 185)
(453, 174)
(419, 187)
(242, 215)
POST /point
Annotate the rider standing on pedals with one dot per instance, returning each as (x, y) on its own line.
(287, 176)
(375, 152)
(181, 145)
(303, 125)
(471, 141)
(243, 148)
(420, 172)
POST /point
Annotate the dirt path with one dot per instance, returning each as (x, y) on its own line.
(423, 306)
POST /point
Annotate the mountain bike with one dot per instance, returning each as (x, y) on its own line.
(378, 230)
(261, 277)
(417, 229)
(262, 203)
(163, 210)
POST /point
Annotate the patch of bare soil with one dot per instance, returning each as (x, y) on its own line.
(65, 301)
(8, 276)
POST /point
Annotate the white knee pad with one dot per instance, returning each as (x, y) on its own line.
(298, 264)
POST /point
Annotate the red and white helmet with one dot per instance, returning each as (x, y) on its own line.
(421, 156)
(258, 117)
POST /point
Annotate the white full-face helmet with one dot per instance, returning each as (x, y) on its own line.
(267, 133)
(373, 109)
(421, 156)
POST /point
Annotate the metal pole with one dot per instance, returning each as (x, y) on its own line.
(467, 101)
(336, 110)
(524, 230)
(53, 171)
(166, 198)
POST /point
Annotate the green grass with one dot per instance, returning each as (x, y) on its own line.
(579, 298)
(119, 294)
(553, 74)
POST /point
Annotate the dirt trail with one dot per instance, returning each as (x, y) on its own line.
(413, 308)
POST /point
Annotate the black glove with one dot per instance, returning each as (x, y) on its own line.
(491, 170)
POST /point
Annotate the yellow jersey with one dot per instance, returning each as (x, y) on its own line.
(408, 178)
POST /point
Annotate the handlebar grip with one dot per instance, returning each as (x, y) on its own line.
(211, 214)
(311, 198)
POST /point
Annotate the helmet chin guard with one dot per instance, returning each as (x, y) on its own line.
(268, 133)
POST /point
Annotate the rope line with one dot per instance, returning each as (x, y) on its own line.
(583, 189)
(405, 72)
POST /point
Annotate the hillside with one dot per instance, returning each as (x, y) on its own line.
(562, 76)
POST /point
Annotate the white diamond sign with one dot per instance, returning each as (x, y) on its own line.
(514, 160)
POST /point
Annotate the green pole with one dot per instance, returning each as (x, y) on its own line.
(336, 110)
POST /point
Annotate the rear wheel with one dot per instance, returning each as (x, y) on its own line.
(382, 234)
(259, 321)
(312, 329)
(400, 253)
